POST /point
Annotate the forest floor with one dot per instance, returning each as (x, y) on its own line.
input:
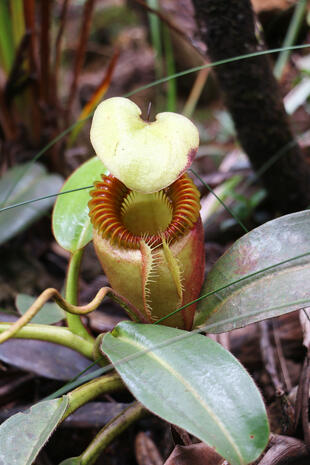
(272, 351)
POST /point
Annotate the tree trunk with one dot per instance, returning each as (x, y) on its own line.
(253, 98)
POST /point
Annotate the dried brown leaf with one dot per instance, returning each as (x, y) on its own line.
(195, 454)
(304, 316)
(264, 5)
(283, 450)
(146, 451)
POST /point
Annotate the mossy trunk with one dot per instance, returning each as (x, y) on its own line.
(254, 101)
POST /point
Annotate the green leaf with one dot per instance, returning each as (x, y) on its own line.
(35, 182)
(259, 295)
(50, 312)
(71, 223)
(193, 382)
(23, 435)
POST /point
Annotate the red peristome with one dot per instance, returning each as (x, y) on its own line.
(105, 211)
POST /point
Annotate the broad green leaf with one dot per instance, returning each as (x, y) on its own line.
(36, 182)
(71, 223)
(275, 291)
(23, 435)
(193, 382)
(50, 312)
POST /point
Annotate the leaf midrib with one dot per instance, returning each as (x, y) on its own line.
(189, 389)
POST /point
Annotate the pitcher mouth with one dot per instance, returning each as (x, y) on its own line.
(125, 217)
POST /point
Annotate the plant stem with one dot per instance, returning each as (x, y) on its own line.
(254, 100)
(18, 21)
(45, 72)
(50, 293)
(94, 100)
(170, 69)
(111, 431)
(195, 92)
(156, 38)
(91, 390)
(6, 38)
(34, 109)
(74, 321)
(290, 36)
(56, 334)
(80, 51)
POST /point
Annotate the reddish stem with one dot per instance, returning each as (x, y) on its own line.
(80, 53)
(63, 20)
(45, 50)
